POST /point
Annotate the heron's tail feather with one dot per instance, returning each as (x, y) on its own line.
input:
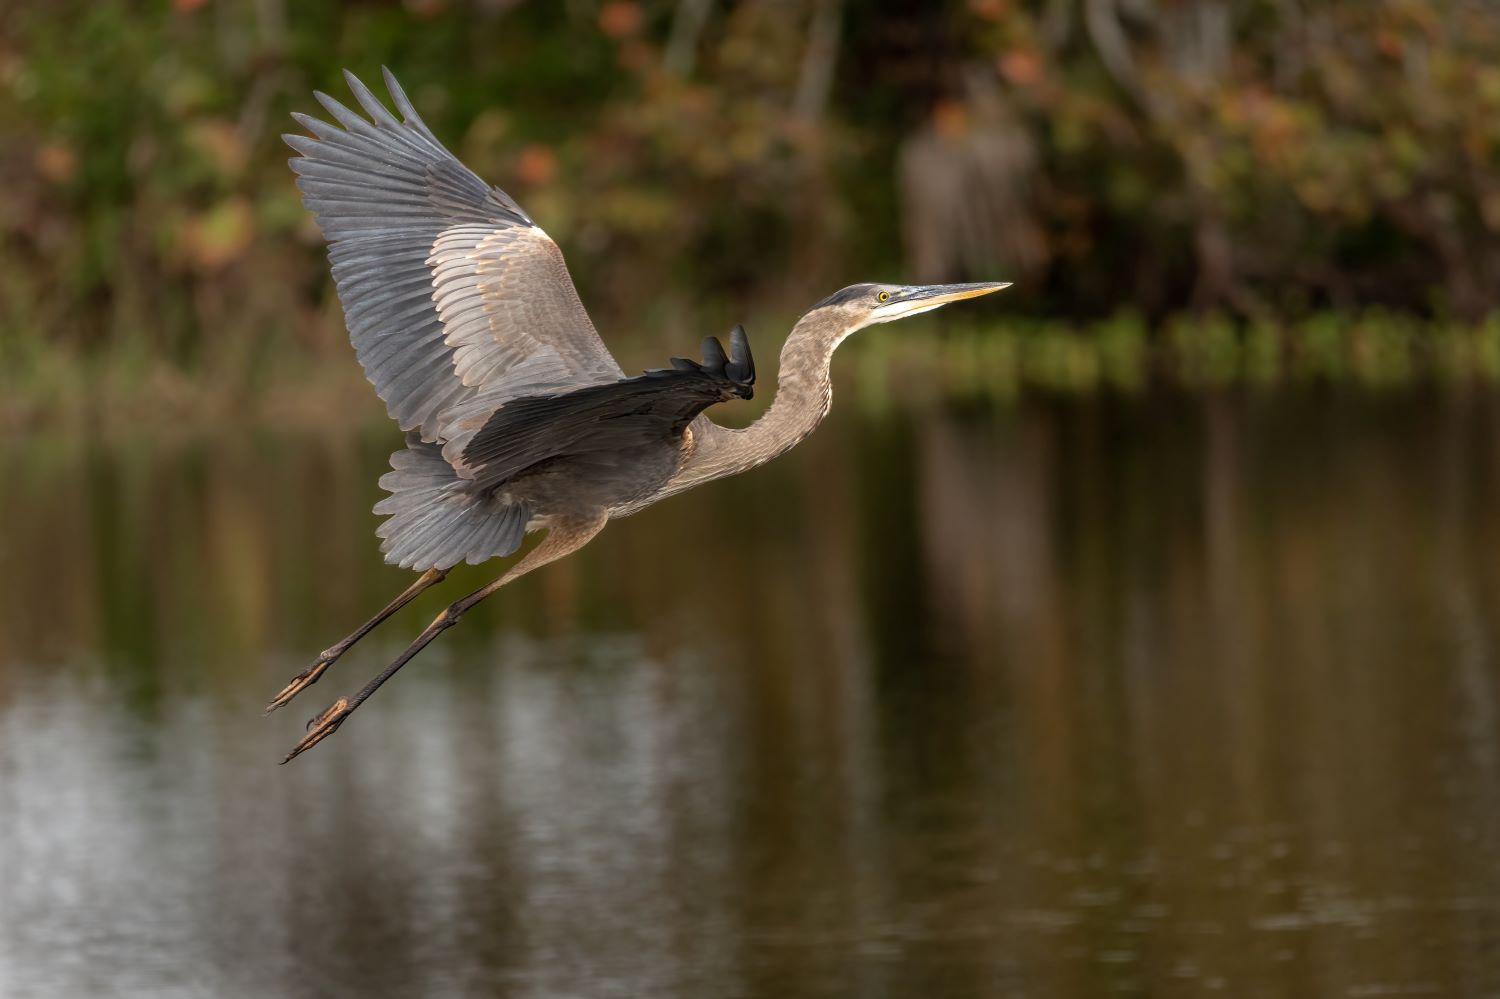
(436, 519)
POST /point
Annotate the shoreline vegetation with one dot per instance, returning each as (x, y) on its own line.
(1208, 159)
(290, 382)
(1299, 194)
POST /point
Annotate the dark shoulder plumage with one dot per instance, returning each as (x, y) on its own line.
(651, 408)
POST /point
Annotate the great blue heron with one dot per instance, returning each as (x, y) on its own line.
(518, 419)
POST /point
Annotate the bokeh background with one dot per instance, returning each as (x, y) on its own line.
(1134, 632)
(1269, 162)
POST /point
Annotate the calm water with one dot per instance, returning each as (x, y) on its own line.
(1172, 697)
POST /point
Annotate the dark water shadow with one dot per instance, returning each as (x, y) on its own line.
(1169, 696)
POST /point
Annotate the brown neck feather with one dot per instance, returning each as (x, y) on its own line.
(804, 394)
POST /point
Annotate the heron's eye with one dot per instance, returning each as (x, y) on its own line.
(884, 296)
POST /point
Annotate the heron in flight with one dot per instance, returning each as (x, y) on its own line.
(517, 417)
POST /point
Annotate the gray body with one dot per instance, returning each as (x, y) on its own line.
(612, 481)
(463, 315)
(459, 306)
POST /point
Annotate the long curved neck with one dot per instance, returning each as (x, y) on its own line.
(804, 394)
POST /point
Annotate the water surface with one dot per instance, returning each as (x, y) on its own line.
(1164, 696)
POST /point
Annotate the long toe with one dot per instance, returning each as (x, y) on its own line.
(300, 682)
(321, 727)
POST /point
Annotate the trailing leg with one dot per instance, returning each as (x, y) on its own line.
(563, 537)
(330, 655)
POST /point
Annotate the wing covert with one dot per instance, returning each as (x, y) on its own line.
(610, 417)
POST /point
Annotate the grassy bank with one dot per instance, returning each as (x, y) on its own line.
(295, 382)
(1376, 350)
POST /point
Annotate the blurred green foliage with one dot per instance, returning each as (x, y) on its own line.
(1373, 350)
(703, 161)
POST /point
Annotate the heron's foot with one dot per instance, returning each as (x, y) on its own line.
(321, 727)
(303, 680)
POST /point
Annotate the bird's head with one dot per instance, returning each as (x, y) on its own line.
(861, 305)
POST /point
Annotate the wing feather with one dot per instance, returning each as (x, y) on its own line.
(453, 297)
(608, 418)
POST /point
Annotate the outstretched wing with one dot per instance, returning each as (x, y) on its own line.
(611, 418)
(451, 293)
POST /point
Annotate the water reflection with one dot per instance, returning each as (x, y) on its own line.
(1165, 696)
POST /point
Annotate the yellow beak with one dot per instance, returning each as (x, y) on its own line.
(918, 298)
